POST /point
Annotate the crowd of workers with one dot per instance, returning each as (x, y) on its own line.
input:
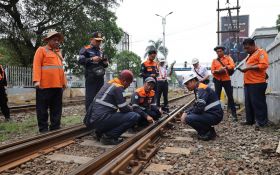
(107, 111)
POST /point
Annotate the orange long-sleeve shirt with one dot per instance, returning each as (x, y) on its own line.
(260, 58)
(48, 68)
(216, 65)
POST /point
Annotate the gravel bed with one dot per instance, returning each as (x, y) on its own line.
(43, 166)
(237, 150)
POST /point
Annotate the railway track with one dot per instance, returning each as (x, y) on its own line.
(30, 107)
(130, 157)
(15, 154)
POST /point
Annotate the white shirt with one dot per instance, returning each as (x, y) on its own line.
(162, 73)
(201, 71)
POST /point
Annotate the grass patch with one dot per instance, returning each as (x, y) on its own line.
(9, 130)
(71, 120)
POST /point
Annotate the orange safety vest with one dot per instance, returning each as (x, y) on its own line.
(216, 65)
(48, 68)
(151, 66)
(260, 58)
(116, 82)
(145, 99)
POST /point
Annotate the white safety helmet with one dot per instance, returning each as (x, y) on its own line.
(188, 78)
(195, 61)
(161, 59)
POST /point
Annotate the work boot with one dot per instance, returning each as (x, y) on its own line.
(246, 123)
(165, 109)
(234, 118)
(8, 119)
(210, 135)
(96, 135)
(106, 140)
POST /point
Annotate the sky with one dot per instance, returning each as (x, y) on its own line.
(191, 29)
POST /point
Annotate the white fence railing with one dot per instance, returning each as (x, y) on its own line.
(19, 76)
(22, 77)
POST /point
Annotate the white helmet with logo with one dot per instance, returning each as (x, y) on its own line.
(188, 78)
(195, 61)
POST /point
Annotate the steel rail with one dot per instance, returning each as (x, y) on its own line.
(25, 149)
(13, 152)
(127, 150)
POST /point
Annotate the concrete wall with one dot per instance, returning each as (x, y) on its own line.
(27, 95)
(273, 90)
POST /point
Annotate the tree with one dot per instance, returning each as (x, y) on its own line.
(128, 60)
(156, 45)
(278, 23)
(24, 23)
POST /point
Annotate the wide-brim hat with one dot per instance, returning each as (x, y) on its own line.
(52, 34)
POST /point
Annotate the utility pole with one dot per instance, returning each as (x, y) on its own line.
(234, 29)
(163, 20)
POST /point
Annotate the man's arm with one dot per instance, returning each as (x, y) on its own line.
(200, 103)
(135, 105)
(121, 101)
(83, 59)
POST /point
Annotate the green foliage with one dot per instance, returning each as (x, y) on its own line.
(7, 54)
(128, 60)
(278, 23)
(24, 23)
(156, 45)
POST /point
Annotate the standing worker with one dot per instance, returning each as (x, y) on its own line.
(144, 102)
(103, 114)
(255, 84)
(49, 80)
(149, 67)
(200, 71)
(93, 60)
(3, 95)
(162, 83)
(206, 111)
(222, 68)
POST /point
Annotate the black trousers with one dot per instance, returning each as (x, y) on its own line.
(3, 102)
(202, 123)
(255, 103)
(49, 99)
(114, 125)
(162, 88)
(228, 88)
(92, 88)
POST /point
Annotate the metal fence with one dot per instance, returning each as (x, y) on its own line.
(19, 76)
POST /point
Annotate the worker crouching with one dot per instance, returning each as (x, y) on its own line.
(206, 111)
(102, 114)
(144, 103)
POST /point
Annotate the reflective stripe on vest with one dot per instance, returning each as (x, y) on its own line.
(106, 92)
(101, 101)
(51, 67)
(105, 103)
(136, 105)
(211, 105)
(122, 105)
